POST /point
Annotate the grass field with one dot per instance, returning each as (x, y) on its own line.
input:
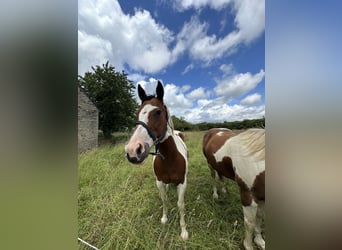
(119, 205)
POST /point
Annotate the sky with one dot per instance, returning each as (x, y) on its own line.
(209, 55)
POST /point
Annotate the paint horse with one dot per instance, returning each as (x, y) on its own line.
(218, 162)
(245, 153)
(170, 159)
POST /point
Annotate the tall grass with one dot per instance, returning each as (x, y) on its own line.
(120, 207)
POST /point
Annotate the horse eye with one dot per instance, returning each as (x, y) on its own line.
(158, 112)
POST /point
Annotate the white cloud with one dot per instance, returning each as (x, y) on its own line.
(251, 99)
(182, 5)
(174, 96)
(223, 24)
(188, 68)
(198, 93)
(209, 48)
(249, 21)
(238, 85)
(185, 88)
(191, 31)
(222, 112)
(203, 102)
(135, 77)
(93, 50)
(227, 69)
(137, 40)
(250, 18)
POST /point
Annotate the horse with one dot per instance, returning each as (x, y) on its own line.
(218, 163)
(246, 152)
(170, 159)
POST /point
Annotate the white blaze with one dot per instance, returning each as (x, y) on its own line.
(141, 133)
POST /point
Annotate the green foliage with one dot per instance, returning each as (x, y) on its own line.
(112, 94)
(182, 125)
(120, 206)
(245, 124)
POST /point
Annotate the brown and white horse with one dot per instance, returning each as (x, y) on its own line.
(218, 162)
(170, 162)
(244, 152)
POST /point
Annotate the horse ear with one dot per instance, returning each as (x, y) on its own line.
(141, 93)
(160, 91)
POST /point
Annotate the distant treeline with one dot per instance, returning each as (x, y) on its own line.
(182, 125)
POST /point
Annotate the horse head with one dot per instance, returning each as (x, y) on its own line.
(151, 126)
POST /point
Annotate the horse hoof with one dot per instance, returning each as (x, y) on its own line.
(224, 190)
(259, 241)
(247, 246)
(163, 220)
(215, 195)
(184, 235)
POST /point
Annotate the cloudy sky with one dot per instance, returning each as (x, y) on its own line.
(208, 54)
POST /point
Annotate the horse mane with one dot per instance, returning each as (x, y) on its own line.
(253, 141)
(169, 119)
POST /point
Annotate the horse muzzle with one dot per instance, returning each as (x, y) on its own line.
(137, 153)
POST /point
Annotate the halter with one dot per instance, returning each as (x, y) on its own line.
(156, 140)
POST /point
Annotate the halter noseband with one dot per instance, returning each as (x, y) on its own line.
(156, 140)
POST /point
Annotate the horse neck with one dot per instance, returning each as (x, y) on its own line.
(168, 145)
(169, 122)
(169, 126)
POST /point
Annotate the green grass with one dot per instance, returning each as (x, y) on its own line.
(120, 207)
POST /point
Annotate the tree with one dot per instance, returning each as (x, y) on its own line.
(181, 124)
(112, 94)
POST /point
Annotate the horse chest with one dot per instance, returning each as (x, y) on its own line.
(170, 170)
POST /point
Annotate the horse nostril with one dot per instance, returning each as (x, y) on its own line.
(132, 159)
(139, 150)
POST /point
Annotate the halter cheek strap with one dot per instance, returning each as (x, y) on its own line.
(156, 140)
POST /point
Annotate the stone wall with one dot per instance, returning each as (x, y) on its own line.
(88, 123)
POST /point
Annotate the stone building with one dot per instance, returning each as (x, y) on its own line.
(88, 122)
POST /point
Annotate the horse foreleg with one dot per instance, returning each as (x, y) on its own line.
(223, 184)
(213, 175)
(181, 206)
(258, 240)
(162, 190)
(249, 213)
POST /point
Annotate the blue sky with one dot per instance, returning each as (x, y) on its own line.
(210, 55)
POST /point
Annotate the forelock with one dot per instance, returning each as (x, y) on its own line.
(148, 98)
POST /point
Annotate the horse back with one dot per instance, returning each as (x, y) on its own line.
(214, 139)
(180, 134)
